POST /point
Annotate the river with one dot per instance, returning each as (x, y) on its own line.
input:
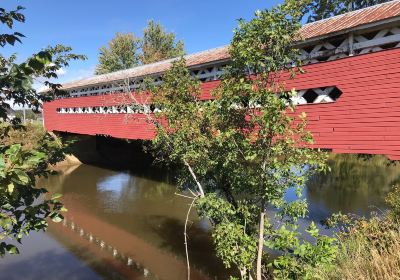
(129, 225)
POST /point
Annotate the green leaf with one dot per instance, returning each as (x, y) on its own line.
(44, 56)
(13, 150)
(10, 188)
(11, 249)
(36, 64)
(2, 163)
(23, 178)
(56, 217)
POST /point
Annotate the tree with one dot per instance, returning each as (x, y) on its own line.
(159, 44)
(126, 51)
(29, 114)
(321, 9)
(23, 206)
(121, 53)
(242, 151)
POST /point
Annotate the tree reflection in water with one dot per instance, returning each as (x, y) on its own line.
(356, 184)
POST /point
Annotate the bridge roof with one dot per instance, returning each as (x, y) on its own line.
(318, 30)
(348, 21)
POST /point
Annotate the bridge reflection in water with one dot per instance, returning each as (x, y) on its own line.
(130, 226)
(133, 224)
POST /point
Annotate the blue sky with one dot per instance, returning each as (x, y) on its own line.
(86, 25)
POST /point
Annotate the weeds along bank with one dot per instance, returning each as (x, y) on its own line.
(368, 249)
(33, 136)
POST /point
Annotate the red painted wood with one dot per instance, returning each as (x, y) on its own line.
(365, 119)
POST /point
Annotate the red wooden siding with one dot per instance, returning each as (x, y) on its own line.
(365, 119)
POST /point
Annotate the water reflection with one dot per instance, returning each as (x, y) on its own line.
(134, 219)
(356, 184)
(116, 253)
(122, 225)
(112, 190)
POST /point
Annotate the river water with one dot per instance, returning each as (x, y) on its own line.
(129, 225)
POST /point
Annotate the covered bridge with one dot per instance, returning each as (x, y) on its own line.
(350, 91)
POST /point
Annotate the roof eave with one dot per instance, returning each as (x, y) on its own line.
(380, 23)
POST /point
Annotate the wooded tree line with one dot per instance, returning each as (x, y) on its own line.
(126, 50)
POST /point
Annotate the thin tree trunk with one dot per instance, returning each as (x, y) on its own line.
(199, 186)
(260, 240)
(243, 273)
(186, 239)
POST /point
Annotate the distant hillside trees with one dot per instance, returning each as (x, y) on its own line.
(29, 114)
(126, 50)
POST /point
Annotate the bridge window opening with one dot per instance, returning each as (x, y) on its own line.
(310, 96)
(337, 42)
(389, 46)
(323, 48)
(205, 74)
(370, 35)
(323, 58)
(335, 93)
(308, 49)
(305, 96)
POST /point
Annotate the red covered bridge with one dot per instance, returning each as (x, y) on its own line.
(350, 91)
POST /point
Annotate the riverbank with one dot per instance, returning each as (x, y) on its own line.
(369, 249)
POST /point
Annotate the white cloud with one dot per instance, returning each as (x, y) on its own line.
(61, 72)
(42, 88)
(78, 74)
(38, 85)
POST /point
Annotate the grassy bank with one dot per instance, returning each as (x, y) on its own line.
(369, 249)
(29, 136)
(33, 136)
